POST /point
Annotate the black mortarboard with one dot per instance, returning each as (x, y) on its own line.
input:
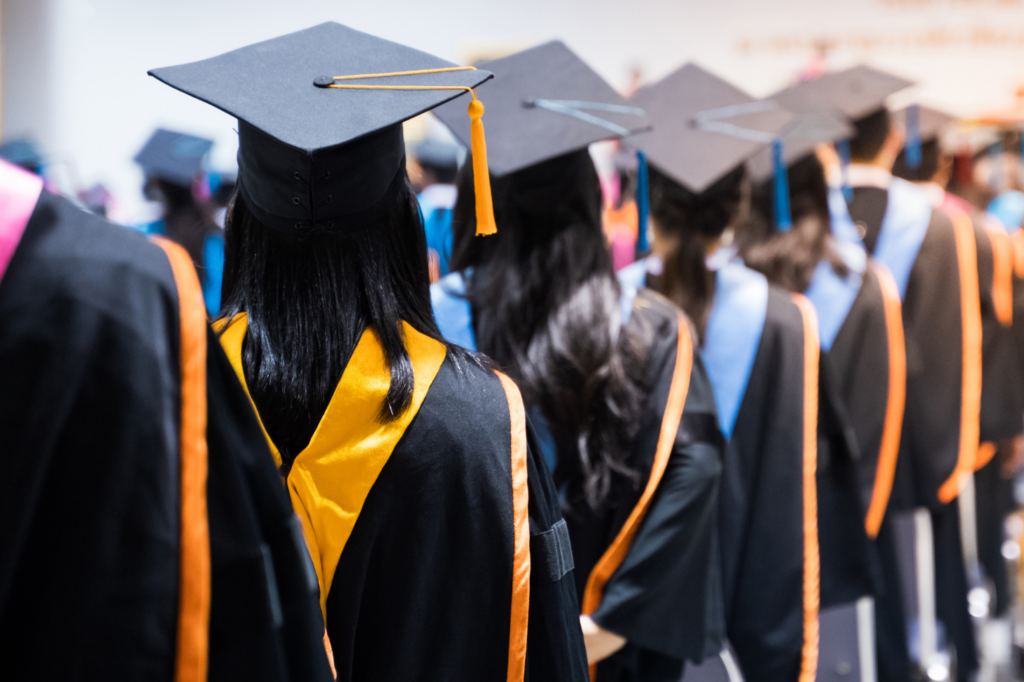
(317, 148)
(174, 157)
(813, 122)
(704, 127)
(855, 92)
(930, 122)
(543, 103)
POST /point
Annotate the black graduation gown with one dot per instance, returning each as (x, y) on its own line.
(1002, 386)
(861, 357)
(789, 548)
(422, 588)
(90, 514)
(1002, 401)
(665, 594)
(930, 446)
(930, 443)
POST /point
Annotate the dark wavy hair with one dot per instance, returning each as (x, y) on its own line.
(789, 258)
(691, 221)
(309, 300)
(546, 307)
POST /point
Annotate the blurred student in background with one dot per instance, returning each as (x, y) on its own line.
(1002, 397)
(438, 165)
(174, 166)
(933, 262)
(759, 345)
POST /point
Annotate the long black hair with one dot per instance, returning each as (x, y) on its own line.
(789, 258)
(690, 222)
(308, 301)
(546, 308)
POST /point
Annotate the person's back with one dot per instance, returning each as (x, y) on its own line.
(760, 350)
(933, 261)
(610, 377)
(644, 541)
(863, 365)
(141, 513)
(433, 529)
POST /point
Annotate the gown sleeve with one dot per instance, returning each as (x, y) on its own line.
(666, 595)
(555, 649)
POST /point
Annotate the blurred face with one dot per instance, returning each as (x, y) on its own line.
(998, 172)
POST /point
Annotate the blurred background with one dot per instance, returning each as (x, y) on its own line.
(74, 71)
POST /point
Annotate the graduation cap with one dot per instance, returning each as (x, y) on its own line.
(813, 122)
(174, 157)
(704, 127)
(545, 102)
(920, 124)
(931, 123)
(319, 122)
(855, 92)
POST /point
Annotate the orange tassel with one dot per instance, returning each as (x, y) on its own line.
(485, 224)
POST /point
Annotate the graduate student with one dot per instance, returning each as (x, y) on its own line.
(439, 164)
(861, 334)
(924, 162)
(174, 166)
(759, 345)
(933, 261)
(141, 515)
(439, 548)
(609, 375)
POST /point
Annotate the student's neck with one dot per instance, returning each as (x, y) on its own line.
(869, 174)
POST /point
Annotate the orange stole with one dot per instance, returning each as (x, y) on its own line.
(193, 644)
(616, 552)
(889, 449)
(1002, 275)
(970, 319)
(519, 620)
(812, 552)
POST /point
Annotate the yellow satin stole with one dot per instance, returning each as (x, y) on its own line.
(330, 479)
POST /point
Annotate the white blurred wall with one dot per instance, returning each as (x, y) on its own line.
(74, 71)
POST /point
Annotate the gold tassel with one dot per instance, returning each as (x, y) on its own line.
(485, 224)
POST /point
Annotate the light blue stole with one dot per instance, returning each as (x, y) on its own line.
(832, 295)
(734, 328)
(452, 311)
(733, 336)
